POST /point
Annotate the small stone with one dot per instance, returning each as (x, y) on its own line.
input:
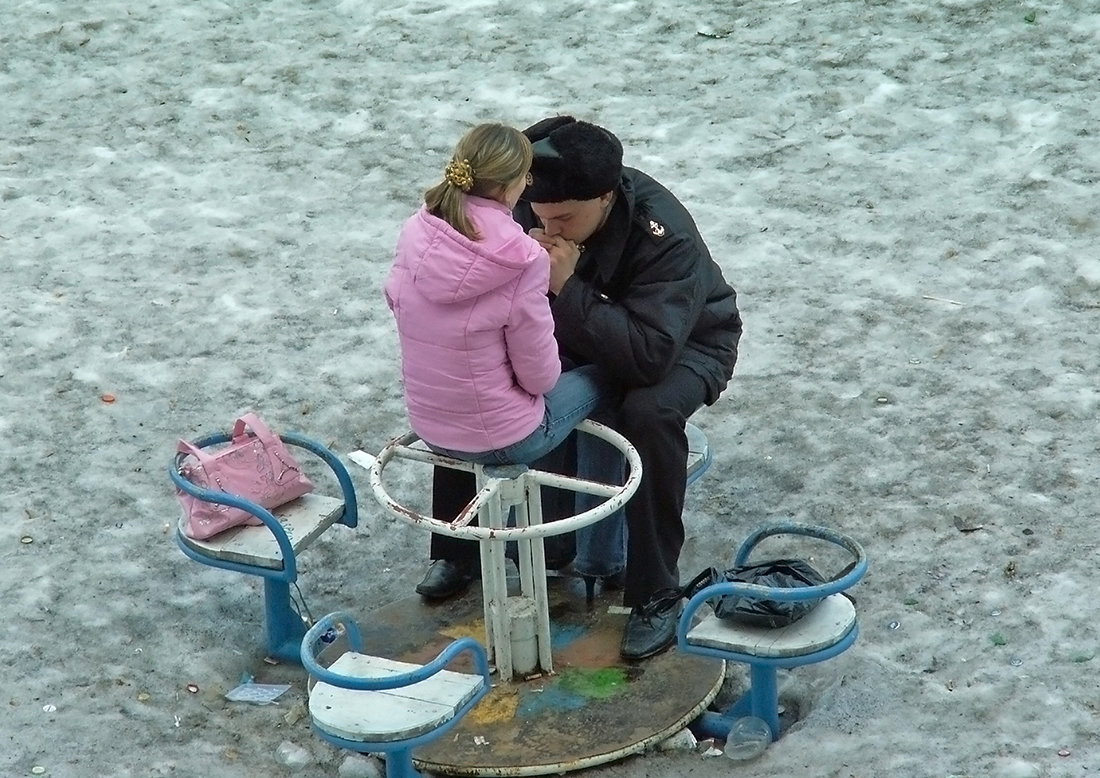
(295, 714)
(683, 740)
(292, 755)
(967, 523)
(358, 766)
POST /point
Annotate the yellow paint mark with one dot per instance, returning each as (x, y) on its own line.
(473, 629)
(496, 707)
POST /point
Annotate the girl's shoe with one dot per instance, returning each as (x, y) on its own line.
(611, 583)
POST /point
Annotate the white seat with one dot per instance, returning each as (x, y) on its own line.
(373, 704)
(698, 453)
(824, 626)
(304, 520)
(390, 714)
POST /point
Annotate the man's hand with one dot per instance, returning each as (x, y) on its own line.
(564, 255)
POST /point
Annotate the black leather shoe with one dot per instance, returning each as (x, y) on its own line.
(651, 628)
(446, 578)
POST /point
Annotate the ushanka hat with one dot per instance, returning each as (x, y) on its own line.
(573, 160)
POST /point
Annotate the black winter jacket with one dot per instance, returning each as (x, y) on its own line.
(646, 294)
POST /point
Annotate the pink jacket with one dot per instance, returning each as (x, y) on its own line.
(477, 338)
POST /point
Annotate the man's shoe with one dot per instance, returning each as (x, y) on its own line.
(651, 628)
(446, 578)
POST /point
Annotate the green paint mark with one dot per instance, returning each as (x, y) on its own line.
(998, 639)
(574, 689)
(596, 684)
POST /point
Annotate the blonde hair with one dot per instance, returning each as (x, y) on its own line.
(487, 159)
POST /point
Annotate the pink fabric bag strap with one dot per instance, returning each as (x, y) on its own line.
(252, 422)
(245, 422)
(187, 447)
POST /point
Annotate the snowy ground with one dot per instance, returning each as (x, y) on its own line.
(198, 202)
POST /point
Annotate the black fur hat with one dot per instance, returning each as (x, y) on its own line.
(574, 160)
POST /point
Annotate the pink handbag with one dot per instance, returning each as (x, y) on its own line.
(255, 466)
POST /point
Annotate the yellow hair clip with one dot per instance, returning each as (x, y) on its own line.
(460, 174)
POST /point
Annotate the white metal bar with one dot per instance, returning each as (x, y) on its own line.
(538, 563)
(496, 595)
(617, 496)
(499, 490)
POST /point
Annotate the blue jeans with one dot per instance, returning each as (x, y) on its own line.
(577, 393)
(601, 547)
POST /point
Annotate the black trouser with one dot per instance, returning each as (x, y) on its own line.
(652, 418)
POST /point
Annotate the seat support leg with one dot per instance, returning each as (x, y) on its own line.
(764, 696)
(761, 700)
(285, 628)
(399, 764)
(711, 724)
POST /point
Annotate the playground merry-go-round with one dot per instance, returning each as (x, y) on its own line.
(521, 675)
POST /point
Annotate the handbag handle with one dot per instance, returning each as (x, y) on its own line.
(187, 447)
(259, 429)
(246, 421)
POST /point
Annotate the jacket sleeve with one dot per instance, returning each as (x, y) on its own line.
(529, 334)
(640, 336)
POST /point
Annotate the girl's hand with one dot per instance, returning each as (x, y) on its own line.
(540, 235)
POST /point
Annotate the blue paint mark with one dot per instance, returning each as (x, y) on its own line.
(550, 699)
(562, 636)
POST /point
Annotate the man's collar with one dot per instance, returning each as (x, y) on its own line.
(605, 246)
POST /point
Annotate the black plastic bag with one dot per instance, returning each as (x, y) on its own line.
(776, 573)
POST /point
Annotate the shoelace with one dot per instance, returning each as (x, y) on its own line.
(661, 601)
(664, 600)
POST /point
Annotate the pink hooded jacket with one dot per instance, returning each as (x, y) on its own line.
(477, 338)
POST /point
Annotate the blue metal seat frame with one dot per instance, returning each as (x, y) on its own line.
(762, 698)
(283, 624)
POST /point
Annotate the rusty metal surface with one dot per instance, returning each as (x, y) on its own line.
(491, 480)
(594, 709)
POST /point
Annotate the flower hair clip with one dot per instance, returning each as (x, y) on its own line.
(460, 174)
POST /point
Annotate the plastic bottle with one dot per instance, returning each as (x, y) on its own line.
(749, 737)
